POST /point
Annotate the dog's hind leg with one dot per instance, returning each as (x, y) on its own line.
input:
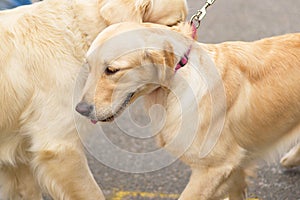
(17, 183)
(64, 173)
(292, 158)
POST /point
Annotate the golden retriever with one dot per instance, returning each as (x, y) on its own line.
(42, 50)
(258, 81)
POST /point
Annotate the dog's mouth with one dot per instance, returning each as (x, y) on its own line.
(120, 110)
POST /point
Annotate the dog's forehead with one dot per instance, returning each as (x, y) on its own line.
(125, 38)
(129, 34)
(115, 43)
(120, 62)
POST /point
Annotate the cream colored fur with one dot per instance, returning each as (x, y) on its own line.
(261, 84)
(42, 50)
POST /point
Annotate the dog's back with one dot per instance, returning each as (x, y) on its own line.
(263, 91)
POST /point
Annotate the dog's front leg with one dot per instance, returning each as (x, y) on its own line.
(65, 174)
(18, 183)
(205, 183)
(237, 185)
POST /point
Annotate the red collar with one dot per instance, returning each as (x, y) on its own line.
(185, 58)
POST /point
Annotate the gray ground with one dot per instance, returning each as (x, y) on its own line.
(226, 20)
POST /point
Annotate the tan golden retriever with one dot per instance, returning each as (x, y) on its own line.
(42, 50)
(259, 81)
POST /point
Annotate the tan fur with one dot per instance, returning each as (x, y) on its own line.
(42, 50)
(261, 84)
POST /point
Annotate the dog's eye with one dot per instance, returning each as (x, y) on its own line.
(111, 71)
(174, 24)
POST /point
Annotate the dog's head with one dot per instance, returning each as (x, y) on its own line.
(126, 61)
(155, 11)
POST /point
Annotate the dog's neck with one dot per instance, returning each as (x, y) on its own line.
(179, 81)
(188, 98)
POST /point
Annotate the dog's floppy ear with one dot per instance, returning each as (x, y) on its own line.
(115, 11)
(169, 55)
(164, 59)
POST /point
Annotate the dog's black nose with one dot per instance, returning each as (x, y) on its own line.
(84, 108)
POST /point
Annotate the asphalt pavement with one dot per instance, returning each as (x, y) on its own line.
(226, 20)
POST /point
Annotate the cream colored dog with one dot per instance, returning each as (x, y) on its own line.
(260, 81)
(42, 50)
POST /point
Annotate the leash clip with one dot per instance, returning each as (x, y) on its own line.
(197, 18)
(195, 23)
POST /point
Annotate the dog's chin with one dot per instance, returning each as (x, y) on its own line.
(120, 110)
